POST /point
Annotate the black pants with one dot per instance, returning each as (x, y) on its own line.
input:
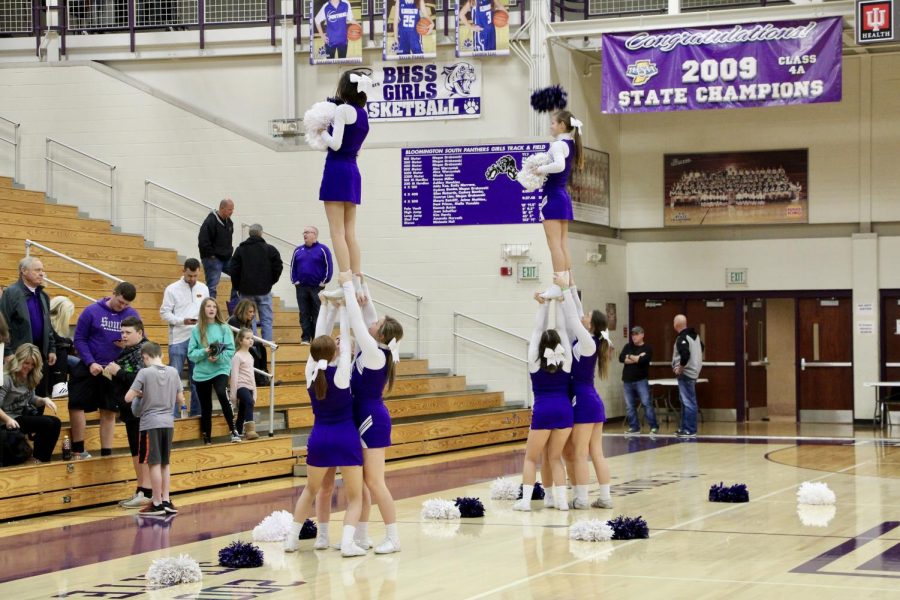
(245, 408)
(46, 434)
(204, 390)
(309, 303)
(336, 51)
(132, 426)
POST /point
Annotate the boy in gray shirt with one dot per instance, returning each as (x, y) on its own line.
(152, 396)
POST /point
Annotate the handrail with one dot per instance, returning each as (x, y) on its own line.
(68, 289)
(15, 144)
(417, 317)
(113, 194)
(30, 243)
(458, 336)
(271, 377)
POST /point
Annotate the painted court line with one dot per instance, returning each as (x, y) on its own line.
(695, 581)
(676, 527)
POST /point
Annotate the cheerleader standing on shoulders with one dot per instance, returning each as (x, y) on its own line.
(341, 188)
(556, 206)
(334, 441)
(550, 362)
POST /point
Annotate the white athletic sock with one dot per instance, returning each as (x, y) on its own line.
(295, 529)
(549, 500)
(362, 533)
(581, 493)
(322, 529)
(347, 537)
(604, 491)
(391, 532)
(561, 497)
(527, 491)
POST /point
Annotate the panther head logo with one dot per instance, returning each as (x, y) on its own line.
(458, 78)
(505, 165)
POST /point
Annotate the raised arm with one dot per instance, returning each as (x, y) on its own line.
(370, 315)
(579, 308)
(345, 115)
(325, 320)
(540, 326)
(559, 150)
(574, 326)
(345, 360)
(372, 356)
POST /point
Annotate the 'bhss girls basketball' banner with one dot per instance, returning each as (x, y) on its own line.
(336, 32)
(409, 31)
(467, 185)
(734, 66)
(482, 28)
(437, 90)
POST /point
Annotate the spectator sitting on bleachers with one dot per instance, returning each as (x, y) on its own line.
(21, 409)
(61, 311)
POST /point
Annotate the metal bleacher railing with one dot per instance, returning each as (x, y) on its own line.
(458, 337)
(13, 140)
(29, 244)
(59, 159)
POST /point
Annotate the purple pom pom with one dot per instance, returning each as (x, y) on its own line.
(309, 530)
(470, 508)
(627, 528)
(240, 555)
(549, 99)
(536, 494)
(733, 493)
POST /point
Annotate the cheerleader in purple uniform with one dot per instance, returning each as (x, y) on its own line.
(556, 205)
(550, 362)
(341, 188)
(334, 441)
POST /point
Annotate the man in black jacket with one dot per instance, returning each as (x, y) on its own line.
(216, 245)
(26, 308)
(255, 267)
(636, 356)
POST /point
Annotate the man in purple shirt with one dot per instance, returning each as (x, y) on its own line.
(311, 269)
(98, 340)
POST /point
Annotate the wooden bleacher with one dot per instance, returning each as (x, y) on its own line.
(432, 411)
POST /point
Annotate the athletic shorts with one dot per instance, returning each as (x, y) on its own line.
(155, 446)
(89, 392)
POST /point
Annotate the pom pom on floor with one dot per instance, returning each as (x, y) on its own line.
(549, 98)
(505, 489)
(813, 515)
(240, 555)
(537, 494)
(168, 571)
(309, 531)
(470, 508)
(593, 530)
(815, 493)
(528, 175)
(628, 528)
(273, 528)
(729, 493)
(439, 509)
(316, 122)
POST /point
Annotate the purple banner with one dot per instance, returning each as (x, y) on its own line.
(467, 185)
(732, 66)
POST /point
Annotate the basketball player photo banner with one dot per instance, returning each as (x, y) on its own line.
(409, 31)
(748, 65)
(482, 28)
(467, 185)
(336, 32)
(589, 188)
(736, 188)
(436, 90)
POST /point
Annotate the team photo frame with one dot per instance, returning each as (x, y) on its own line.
(336, 32)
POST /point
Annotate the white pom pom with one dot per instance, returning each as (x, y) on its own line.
(441, 530)
(528, 176)
(815, 493)
(593, 530)
(439, 509)
(316, 121)
(504, 489)
(816, 515)
(172, 571)
(273, 528)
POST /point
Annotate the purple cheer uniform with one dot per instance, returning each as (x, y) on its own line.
(552, 406)
(341, 181)
(369, 412)
(334, 441)
(586, 402)
(557, 204)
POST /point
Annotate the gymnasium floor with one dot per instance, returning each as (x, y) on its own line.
(696, 549)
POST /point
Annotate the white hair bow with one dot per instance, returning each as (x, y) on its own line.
(394, 347)
(605, 335)
(363, 83)
(312, 369)
(555, 356)
(576, 124)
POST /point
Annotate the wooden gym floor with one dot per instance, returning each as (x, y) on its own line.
(697, 549)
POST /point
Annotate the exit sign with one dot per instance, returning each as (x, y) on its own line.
(735, 276)
(528, 272)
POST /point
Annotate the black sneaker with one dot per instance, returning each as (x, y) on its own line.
(684, 434)
(169, 507)
(631, 432)
(152, 510)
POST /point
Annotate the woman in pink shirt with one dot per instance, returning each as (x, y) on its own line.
(243, 384)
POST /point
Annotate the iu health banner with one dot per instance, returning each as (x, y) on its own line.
(467, 185)
(433, 90)
(735, 66)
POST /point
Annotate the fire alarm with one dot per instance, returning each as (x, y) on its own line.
(505, 271)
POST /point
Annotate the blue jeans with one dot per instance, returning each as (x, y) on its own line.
(309, 304)
(687, 391)
(633, 390)
(212, 269)
(264, 309)
(177, 358)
